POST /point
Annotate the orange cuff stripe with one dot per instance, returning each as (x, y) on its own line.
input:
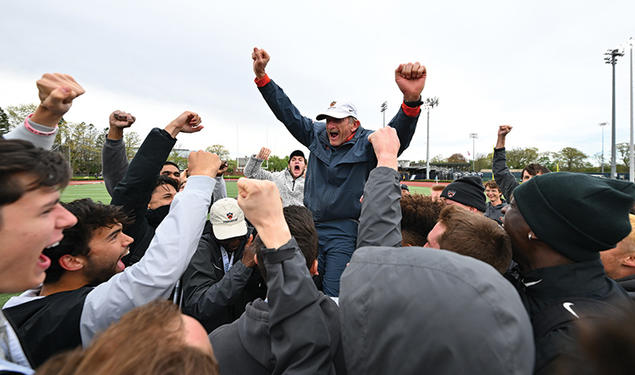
(410, 111)
(262, 81)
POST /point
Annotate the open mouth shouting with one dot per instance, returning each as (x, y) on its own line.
(333, 135)
(120, 265)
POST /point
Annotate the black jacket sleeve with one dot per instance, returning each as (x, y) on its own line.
(503, 177)
(135, 190)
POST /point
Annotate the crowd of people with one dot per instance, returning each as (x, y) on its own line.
(331, 266)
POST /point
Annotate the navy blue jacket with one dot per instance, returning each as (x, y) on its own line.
(335, 176)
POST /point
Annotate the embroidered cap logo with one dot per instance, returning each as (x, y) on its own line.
(230, 215)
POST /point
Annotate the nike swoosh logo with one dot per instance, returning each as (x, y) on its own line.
(567, 306)
(532, 283)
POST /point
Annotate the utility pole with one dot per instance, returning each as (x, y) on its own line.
(602, 125)
(428, 104)
(611, 58)
(473, 136)
(383, 108)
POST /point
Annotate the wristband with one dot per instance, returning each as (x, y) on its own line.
(260, 82)
(30, 128)
(415, 103)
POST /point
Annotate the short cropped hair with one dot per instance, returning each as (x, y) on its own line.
(44, 168)
(165, 180)
(534, 168)
(492, 185)
(167, 162)
(472, 234)
(90, 217)
(146, 340)
(302, 228)
(419, 214)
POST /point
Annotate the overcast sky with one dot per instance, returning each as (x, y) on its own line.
(537, 65)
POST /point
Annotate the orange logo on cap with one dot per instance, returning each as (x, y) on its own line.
(332, 104)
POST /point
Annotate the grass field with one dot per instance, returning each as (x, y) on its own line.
(97, 192)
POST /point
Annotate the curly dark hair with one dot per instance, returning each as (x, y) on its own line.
(90, 217)
(419, 215)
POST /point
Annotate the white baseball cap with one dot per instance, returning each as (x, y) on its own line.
(338, 110)
(228, 220)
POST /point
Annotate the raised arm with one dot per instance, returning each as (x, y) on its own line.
(380, 219)
(253, 168)
(300, 339)
(57, 92)
(302, 128)
(114, 161)
(411, 79)
(503, 177)
(165, 260)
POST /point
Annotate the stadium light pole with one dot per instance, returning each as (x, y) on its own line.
(428, 104)
(383, 108)
(473, 136)
(611, 58)
(602, 125)
(631, 169)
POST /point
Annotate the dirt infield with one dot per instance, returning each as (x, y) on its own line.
(87, 182)
(409, 183)
(423, 183)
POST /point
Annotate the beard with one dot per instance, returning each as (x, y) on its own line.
(100, 273)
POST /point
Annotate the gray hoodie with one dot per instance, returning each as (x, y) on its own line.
(417, 310)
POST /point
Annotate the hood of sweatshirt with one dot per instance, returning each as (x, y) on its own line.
(417, 310)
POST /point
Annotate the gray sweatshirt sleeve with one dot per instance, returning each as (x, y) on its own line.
(114, 163)
(503, 177)
(154, 276)
(300, 335)
(43, 141)
(380, 219)
(220, 189)
(253, 169)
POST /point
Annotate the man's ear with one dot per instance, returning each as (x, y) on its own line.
(71, 263)
(629, 261)
(314, 270)
(356, 124)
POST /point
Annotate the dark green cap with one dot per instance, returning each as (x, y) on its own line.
(576, 214)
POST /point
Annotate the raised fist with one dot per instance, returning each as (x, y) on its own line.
(411, 78)
(264, 153)
(57, 91)
(503, 130)
(261, 203)
(386, 146)
(187, 122)
(121, 120)
(203, 163)
(261, 59)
